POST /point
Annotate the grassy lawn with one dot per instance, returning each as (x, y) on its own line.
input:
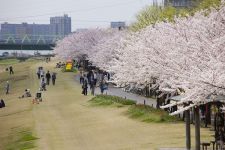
(149, 114)
(164, 130)
(16, 118)
(106, 100)
(140, 112)
(8, 61)
(21, 140)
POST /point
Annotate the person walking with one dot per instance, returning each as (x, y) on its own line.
(92, 87)
(48, 77)
(101, 86)
(85, 87)
(43, 84)
(11, 70)
(95, 78)
(7, 88)
(89, 76)
(108, 75)
(53, 78)
(42, 73)
(81, 78)
(38, 72)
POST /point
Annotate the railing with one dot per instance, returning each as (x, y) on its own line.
(29, 39)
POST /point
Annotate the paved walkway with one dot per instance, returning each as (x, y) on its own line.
(114, 91)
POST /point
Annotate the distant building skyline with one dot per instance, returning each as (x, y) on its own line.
(59, 26)
(86, 13)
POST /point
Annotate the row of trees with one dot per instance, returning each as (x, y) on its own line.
(153, 14)
(188, 53)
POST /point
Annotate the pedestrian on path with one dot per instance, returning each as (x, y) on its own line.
(95, 77)
(48, 77)
(101, 86)
(38, 72)
(7, 88)
(92, 87)
(42, 72)
(53, 78)
(89, 76)
(81, 77)
(11, 70)
(43, 84)
(85, 87)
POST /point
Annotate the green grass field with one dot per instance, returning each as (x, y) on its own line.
(140, 112)
(8, 61)
(16, 117)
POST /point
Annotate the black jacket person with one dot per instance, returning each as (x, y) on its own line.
(48, 77)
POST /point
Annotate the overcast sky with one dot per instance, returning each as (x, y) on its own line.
(84, 13)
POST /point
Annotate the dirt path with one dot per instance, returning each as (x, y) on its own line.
(65, 121)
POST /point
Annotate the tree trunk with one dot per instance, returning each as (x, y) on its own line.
(188, 129)
(197, 129)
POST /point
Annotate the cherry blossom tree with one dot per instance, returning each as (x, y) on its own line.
(80, 43)
(188, 53)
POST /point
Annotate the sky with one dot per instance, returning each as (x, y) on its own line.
(84, 13)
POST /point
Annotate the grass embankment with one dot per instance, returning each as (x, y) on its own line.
(106, 100)
(149, 114)
(16, 125)
(8, 61)
(21, 140)
(140, 112)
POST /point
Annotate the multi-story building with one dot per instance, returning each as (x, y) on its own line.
(36, 33)
(118, 24)
(61, 25)
(179, 3)
(42, 33)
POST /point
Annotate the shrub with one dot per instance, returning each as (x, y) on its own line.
(73, 70)
(153, 14)
(110, 100)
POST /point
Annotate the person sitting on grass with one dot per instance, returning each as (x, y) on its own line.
(26, 93)
(2, 103)
(38, 97)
